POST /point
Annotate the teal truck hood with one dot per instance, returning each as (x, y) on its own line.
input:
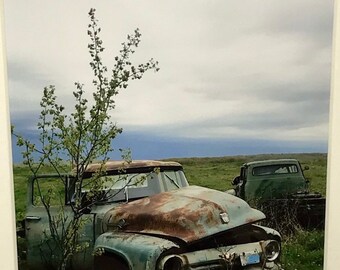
(190, 214)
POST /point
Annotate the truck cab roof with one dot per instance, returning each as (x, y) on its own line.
(118, 166)
(270, 162)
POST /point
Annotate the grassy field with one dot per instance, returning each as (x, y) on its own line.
(304, 251)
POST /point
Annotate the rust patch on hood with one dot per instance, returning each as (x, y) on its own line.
(189, 213)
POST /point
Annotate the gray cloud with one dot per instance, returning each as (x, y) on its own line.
(27, 79)
(309, 20)
(228, 68)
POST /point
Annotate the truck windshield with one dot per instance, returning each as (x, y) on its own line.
(275, 169)
(131, 180)
(128, 186)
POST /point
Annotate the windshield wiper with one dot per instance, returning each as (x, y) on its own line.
(172, 180)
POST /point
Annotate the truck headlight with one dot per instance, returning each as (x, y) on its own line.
(271, 250)
(171, 262)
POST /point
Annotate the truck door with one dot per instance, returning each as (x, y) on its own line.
(239, 183)
(43, 191)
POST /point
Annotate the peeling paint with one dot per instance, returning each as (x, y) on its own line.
(189, 213)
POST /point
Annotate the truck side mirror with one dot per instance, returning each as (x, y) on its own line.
(306, 168)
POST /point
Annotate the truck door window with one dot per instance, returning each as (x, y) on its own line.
(49, 190)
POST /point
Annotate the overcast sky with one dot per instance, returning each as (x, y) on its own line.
(236, 77)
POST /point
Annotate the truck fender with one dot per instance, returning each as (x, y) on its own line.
(137, 251)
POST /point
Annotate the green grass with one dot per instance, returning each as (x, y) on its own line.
(304, 251)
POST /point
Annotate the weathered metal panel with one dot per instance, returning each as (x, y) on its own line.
(139, 251)
(189, 213)
(274, 185)
(41, 250)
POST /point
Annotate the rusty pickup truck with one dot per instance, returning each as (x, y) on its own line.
(160, 224)
(279, 186)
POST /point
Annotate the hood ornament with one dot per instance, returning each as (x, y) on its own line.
(224, 217)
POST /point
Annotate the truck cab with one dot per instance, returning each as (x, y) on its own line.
(145, 178)
(270, 179)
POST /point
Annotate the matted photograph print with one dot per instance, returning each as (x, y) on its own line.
(169, 135)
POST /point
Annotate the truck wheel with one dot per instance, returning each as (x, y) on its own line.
(109, 261)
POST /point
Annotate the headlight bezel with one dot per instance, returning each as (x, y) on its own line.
(172, 262)
(271, 250)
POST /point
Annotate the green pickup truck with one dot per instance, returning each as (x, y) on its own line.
(280, 183)
(160, 224)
